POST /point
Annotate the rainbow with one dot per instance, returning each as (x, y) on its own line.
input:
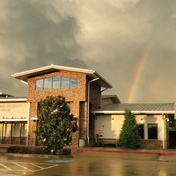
(138, 73)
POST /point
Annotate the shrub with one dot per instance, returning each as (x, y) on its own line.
(25, 150)
(129, 136)
(55, 124)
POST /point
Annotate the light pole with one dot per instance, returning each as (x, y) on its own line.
(88, 100)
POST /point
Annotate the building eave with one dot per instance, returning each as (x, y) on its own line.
(13, 99)
(13, 119)
(23, 76)
(134, 112)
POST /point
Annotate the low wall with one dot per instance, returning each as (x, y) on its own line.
(154, 144)
(105, 141)
(147, 144)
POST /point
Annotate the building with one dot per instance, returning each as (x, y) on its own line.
(100, 117)
(80, 87)
(14, 119)
(153, 119)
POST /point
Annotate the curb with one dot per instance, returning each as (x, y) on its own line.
(123, 151)
(44, 156)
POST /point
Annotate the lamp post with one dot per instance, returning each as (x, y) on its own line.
(88, 101)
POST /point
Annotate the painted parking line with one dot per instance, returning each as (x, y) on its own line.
(5, 167)
(24, 166)
(36, 165)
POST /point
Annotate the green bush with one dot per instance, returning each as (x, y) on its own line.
(129, 136)
(35, 150)
(55, 124)
(25, 150)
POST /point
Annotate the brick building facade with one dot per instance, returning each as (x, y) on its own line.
(100, 117)
(86, 96)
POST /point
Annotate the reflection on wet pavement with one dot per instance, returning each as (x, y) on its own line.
(91, 164)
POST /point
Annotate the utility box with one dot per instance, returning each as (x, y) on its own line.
(82, 142)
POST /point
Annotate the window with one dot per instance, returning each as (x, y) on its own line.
(47, 83)
(171, 120)
(73, 83)
(13, 132)
(65, 83)
(152, 131)
(23, 129)
(141, 130)
(15, 129)
(56, 82)
(39, 84)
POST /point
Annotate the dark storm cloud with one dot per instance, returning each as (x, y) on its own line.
(30, 38)
(37, 38)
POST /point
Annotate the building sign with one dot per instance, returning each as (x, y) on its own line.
(16, 110)
(100, 132)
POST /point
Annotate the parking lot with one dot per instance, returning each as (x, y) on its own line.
(15, 166)
(25, 166)
(90, 164)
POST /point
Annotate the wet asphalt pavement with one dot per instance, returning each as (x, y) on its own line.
(90, 164)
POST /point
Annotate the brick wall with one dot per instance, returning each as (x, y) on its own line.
(153, 144)
(76, 97)
(95, 101)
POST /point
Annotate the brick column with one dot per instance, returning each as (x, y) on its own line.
(32, 124)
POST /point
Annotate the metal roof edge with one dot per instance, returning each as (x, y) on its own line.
(134, 112)
(52, 66)
(23, 76)
(98, 75)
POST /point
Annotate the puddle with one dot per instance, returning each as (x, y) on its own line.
(59, 161)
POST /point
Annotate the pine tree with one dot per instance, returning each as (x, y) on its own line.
(55, 124)
(129, 136)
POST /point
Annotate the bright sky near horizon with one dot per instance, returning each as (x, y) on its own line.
(131, 43)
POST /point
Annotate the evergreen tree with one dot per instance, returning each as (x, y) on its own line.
(55, 124)
(129, 136)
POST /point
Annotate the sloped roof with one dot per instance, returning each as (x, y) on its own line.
(114, 98)
(5, 95)
(137, 108)
(23, 76)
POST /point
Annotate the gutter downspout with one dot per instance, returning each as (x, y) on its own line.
(163, 130)
(27, 139)
(88, 101)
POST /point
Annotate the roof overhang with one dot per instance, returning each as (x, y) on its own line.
(13, 99)
(23, 76)
(134, 112)
(114, 98)
(5, 95)
(13, 119)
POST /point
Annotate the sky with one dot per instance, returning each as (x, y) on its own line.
(130, 43)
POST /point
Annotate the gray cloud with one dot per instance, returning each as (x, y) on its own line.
(109, 36)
